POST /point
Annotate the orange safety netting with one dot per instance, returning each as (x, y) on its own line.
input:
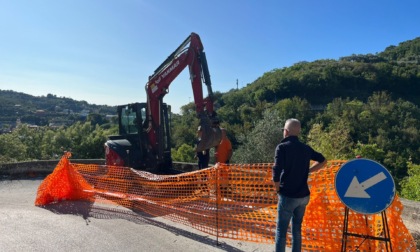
(234, 201)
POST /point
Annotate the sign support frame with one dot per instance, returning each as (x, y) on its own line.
(386, 234)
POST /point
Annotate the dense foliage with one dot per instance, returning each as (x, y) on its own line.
(84, 140)
(411, 184)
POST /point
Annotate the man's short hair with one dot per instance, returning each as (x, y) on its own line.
(293, 126)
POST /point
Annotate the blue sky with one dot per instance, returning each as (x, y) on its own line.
(103, 51)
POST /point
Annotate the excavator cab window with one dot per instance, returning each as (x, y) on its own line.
(129, 120)
(143, 116)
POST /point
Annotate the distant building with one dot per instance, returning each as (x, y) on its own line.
(67, 111)
(40, 112)
(33, 126)
(108, 117)
(55, 125)
(84, 113)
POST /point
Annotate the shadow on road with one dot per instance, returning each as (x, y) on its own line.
(87, 210)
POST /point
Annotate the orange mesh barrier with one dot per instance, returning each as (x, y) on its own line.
(230, 201)
(63, 184)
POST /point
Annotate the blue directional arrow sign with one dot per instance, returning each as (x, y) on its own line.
(365, 186)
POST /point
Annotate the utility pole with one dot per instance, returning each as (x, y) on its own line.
(237, 84)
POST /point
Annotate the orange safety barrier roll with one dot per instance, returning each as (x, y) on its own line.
(234, 201)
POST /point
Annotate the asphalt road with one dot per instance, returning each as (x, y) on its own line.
(81, 226)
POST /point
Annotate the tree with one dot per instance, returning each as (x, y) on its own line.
(184, 129)
(294, 108)
(12, 149)
(410, 185)
(185, 153)
(258, 146)
(371, 151)
(95, 118)
(334, 142)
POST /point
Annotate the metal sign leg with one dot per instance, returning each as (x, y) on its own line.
(385, 233)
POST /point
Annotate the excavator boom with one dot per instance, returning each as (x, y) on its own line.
(189, 54)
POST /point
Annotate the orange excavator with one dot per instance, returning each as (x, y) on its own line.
(144, 141)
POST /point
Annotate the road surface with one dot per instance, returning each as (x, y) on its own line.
(80, 226)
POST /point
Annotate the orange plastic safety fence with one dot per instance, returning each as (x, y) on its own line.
(231, 201)
(63, 184)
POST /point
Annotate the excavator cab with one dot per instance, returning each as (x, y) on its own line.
(131, 146)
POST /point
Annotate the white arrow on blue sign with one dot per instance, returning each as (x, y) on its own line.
(365, 186)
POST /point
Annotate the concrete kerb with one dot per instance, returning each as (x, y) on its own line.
(39, 168)
(411, 210)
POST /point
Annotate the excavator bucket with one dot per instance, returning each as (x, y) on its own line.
(210, 137)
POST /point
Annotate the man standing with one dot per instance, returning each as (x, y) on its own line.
(223, 151)
(202, 156)
(290, 176)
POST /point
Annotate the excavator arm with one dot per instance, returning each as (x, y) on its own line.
(189, 54)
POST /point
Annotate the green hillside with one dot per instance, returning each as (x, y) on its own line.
(396, 70)
(45, 110)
